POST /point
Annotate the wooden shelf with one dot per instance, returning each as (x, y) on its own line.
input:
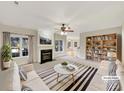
(110, 40)
(97, 46)
(109, 46)
(100, 44)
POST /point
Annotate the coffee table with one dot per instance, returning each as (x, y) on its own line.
(63, 70)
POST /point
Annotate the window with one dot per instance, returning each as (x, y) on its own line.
(24, 46)
(56, 46)
(15, 44)
(59, 45)
(19, 45)
(75, 44)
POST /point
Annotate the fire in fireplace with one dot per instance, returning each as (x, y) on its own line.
(46, 55)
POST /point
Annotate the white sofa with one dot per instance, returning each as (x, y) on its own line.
(10, 79)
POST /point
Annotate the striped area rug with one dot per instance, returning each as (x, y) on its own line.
(82, 78)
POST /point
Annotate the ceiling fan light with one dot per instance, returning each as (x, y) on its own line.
(66, 28)
(62, 33)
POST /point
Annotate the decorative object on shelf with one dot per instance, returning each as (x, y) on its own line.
(111, 55)
(6, 56)
(88, 39)
(70, 68)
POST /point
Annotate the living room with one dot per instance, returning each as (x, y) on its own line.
(61, 46)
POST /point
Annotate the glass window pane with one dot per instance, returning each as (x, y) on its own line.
(61, 45)
(75, 44)
(56, 46)
(24, 46)
(15, 45)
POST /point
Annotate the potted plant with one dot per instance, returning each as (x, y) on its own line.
(64, 64)
(6, 55)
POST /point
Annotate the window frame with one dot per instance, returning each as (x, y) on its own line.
(20, 37)
(59, 46)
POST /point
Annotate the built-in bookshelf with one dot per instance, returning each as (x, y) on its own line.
(98, 46)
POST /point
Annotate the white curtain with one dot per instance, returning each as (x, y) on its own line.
(6, 38)
(30, 49)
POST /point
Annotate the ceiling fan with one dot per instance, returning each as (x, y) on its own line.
(64, 28)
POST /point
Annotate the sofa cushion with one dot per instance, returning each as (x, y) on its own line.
(30, 76)
(27, 67)
(36, 84)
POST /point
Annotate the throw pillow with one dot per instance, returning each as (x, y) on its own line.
(23, 74)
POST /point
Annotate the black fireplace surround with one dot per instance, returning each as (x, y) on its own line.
(46, 55)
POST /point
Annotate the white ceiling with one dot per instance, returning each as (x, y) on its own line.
(82, 16)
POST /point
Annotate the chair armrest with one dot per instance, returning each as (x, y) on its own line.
(28, 67)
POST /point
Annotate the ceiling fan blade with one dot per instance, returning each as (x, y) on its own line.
(69, 31)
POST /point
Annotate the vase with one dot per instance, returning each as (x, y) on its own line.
(6, 64)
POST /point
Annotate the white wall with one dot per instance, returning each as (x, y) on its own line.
(73, 51)
(74, 39)
(83, 36)
(21, 31)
